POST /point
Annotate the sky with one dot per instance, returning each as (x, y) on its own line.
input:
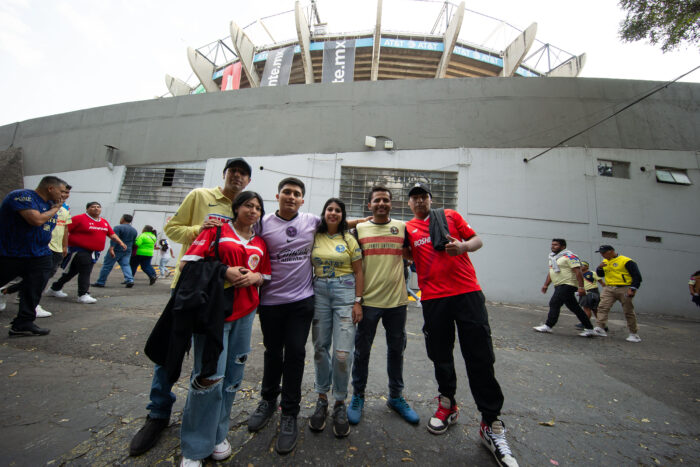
(64, 55)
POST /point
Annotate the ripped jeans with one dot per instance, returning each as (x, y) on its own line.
(205, 418)
(333, 321)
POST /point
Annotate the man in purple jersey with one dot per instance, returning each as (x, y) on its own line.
(286, 309)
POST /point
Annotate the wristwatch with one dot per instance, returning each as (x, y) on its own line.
(359, 300)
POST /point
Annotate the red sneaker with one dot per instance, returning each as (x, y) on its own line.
(445, 416)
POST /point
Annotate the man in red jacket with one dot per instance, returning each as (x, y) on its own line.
(86, 239)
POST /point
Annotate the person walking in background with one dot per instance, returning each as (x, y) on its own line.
(119, 255)
(694, 286)
(338, 285)
(145, 245)
(622, 279)
(166, 253)
(590, 301)
(409, 269)
(86, 239)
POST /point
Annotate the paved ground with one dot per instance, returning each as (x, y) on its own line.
(77, 396)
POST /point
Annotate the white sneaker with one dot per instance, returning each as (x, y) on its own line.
(588, 333)
(55, 293)
(542, 328)
(633, 338)
(86, 299)
(600, 332)
(3, 302)
(41, 313)
(221, 451)
(190, 463)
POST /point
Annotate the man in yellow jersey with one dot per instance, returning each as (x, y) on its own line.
(622, 279)
(202, 208)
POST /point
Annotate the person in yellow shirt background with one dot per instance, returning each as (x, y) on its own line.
(590, 301)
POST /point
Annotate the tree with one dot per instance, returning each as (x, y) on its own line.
(668, 22)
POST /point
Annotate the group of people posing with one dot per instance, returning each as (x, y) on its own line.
(337, 278)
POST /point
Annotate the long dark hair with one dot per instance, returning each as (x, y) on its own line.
(242, 198)
(342, 227)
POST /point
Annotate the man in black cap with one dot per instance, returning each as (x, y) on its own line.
(202, 208)
(622, 279)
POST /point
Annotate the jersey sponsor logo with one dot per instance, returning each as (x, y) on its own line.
(212, 205)
(198, 242)
(291, 232)
(394, 230)
(414, 230)
(340, 248)
(293, 256)
(421, 241)
(253, 262)
(23, 199)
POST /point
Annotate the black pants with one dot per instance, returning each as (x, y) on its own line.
(468, 313)
(81, 265)
(564, 295)
(285, 330)
(34, 273)
(56, 258)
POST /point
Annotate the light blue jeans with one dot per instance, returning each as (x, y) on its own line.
(334, 298)
(123, 259)
(205, 418)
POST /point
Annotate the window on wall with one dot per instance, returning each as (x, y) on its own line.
(159, 185)
(614, 169)
(675, 176)
(357, 181)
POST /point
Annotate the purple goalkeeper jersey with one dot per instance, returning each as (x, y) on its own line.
(289, 244)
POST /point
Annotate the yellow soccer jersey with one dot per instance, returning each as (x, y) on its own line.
(62, 220)
(590, 280)
(566, 275)
(332, 256)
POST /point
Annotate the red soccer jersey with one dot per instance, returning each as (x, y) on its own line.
(86, 232)
(234, 251)
(439, 274)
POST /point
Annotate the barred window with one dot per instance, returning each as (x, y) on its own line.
(615, 169)
(357, 181)
(159, 185)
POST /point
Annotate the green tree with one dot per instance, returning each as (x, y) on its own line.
(665, 22)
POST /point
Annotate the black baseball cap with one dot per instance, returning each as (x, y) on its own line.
(238, 162)
(604, 248)
(419, 187)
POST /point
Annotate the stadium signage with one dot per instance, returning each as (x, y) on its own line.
(338, 61)
(278, 67)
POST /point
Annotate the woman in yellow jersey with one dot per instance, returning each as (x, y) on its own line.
(338, 285)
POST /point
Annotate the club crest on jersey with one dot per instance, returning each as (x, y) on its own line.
(394, 230)
(340, 248)
(253, 262)
(291, 232)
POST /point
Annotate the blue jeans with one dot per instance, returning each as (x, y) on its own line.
(394, 321)
(334, 298)
(123, 259)
(145, 263)
(205, 418)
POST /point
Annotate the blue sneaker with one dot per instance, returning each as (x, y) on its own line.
(400, 405)
(355, 409)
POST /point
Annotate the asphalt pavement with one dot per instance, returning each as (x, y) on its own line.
(77, 396)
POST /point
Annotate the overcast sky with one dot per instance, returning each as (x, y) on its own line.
(63, 55)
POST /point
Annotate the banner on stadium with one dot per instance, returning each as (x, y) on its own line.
(278, 67)
(338, 61)
(231, 79)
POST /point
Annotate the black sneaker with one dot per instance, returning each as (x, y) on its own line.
(289, 432)
(494, 438)
(129, 285)
(147, 436)
(102, 286)
(317, 422)
(29, 329)
(341, 426)
(262, 415)
(152, 280)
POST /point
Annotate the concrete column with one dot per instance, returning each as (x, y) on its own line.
(449, 40)
(374, 71)
(203, 69)
(516, 51)
(246, 51)
(177, 87)
(570, 68)
(304, 43)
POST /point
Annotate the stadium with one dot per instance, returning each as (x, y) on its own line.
(445, 96)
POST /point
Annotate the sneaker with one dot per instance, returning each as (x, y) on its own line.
(542, 328)
(494, 438)
(3, 302)
(445, 416)
(633, 338)
(55, 293)
(97, 284)
(221, 451)
(400, 405)
(152, 280)
(129, 285)
(185, 462)
(30, 329)
(289, 432)
(262, 415)
(600, 331)
(317, 422)
(148, 436)
(41, 313)
(86, 298)
(341, 427)
(588, 333)
(355, 409)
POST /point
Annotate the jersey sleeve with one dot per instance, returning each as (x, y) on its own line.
(201, 246)
(465, 231)
(574, 261)
(180, 228)
(354, 250)
(265, 268)
(22, 202)
(74, 223)
(110, 231)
